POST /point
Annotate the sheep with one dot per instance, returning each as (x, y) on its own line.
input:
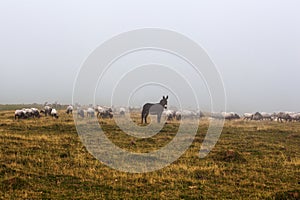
(54, 113)
(295, 117)
(69, 109)
(90, 112)
(80, 112)
(27, 113)
(104, 112)
(266, 116)
(122, 111)
(178, 115)
(257, 116)
(216, 115)
(283, 116)
(35, 112)
(170, 114)
(230, 115)
(20, 114)
(248, 116)
(187, 114)
(47, 110)
(200, 114)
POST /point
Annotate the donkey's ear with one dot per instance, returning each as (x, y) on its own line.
(167, 97)
(163, 97)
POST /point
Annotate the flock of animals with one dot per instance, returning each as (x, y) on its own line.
(35, 113)
(257, 116)
(100, 112)
(49, 111)
(159, 109)
(103, 112)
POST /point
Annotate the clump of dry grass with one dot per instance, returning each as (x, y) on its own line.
(230, 156)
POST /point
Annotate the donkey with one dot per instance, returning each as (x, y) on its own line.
(154, 109)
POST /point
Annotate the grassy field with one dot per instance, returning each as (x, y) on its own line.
(44, 158)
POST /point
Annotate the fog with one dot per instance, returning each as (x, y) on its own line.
(254, 44)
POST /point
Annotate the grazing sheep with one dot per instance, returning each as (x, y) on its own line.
(90, 112)
(178, 115)
(54, 113)
(27, 113)
(98, 109)
(20, 114)
(122, 111)
(236, 116)
(216, 115)
(69, 109)
(295, 117)
(104, 112)
(187, 114)
(266, 116)
(170, 114)
(257, 116)
(35, 112)
(200, 114)
(47, 110)
(230, 115)
(248, 116)
(284, 116)
(80, 112)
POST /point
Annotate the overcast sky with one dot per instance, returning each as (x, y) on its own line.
(255, 45)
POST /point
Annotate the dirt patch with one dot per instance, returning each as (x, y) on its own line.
(229, 156)
(291, 195)
(14, 183)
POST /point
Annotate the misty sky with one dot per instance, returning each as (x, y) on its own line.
(254, 44)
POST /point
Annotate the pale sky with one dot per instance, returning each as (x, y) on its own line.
(254, 44)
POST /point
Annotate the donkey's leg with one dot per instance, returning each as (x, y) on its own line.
(158, 117)
(142, 116)
(146, 115)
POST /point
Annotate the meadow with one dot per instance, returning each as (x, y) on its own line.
(45, 159)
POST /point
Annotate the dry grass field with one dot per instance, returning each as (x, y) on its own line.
(45, 159)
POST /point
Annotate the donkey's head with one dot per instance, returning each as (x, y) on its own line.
(164, 101)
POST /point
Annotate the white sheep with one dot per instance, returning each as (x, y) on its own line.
(19, 114)
(90, 112)
(54, 113)
(69, 109)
